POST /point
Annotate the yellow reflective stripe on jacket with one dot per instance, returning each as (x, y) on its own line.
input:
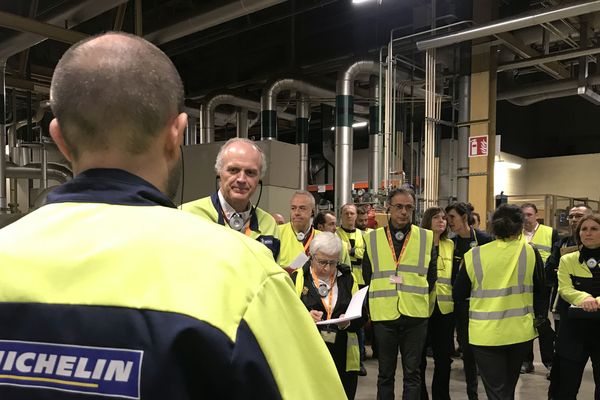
(443, 286)
(501, 305)
(542, 239)
(387, 301)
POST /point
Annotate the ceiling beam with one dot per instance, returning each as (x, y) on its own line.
(29, 25)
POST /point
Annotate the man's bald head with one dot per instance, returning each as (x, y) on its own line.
(114, 91)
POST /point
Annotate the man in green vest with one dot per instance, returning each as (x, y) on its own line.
(543, 238)
(362, 220)
(240, 165)
(399, 264)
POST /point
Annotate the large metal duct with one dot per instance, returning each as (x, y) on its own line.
(217, 16)
(344, 110)
(302, 129)
(268, 102)
(534, 93)
(535, 17)
(72, 16)
(208, 130)
(464, 106)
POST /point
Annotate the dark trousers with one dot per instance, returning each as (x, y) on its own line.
(409, 335)
(500, 367)
(440, 336)
(349, 381)
(570, 374)
(546, 347)
(461, 312)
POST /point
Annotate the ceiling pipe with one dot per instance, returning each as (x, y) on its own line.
(344, 110)
(209, 19)
(535, 17)
(557, 56)
(268, 101)
(71, 17)
(56, 172)
(529, 100)
(208, 130)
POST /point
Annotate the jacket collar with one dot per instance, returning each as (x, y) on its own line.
(221, 221)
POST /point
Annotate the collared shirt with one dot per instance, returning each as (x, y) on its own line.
(529, 235)
(230, 211)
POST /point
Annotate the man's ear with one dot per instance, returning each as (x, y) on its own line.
(59, 140)
(175, 133)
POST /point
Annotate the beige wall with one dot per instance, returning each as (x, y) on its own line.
(570, 176)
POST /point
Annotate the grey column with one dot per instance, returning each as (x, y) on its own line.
(374, 138)
(462, 179)
(3, 200)
(242, 122)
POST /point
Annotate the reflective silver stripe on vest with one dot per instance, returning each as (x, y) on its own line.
(375, 254)
(383, 274)
(446, 281)
(488, 293)
(423, 247)
(494, 315)
(542, 247)
(383, 293)
(444, 297)
(413, 289)
(352, 340)
(412, 268)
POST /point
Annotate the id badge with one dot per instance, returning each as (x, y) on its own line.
(328, 336)
(396, 280)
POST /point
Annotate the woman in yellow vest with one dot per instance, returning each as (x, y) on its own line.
(579, 286)
(440, 331)
(505, 281)
(326, 287)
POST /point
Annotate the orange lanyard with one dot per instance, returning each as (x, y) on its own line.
(328, 308)
(310, 238)
(389, 237)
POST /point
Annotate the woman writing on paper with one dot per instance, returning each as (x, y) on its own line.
(326, 287)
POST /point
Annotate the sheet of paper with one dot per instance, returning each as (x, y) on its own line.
(354, 310)
(299, 261)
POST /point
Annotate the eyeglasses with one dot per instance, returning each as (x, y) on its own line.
(575, 216)
(400, 207)
(326, 263)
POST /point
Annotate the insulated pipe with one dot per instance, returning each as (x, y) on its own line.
(202, 124)
(344, 110)
(302, 129)
(3, 200)
(387, 126)
(535, 17)
(464, 96)
(374, 138)
(219, 99)
(268, 102)
(35, 172)
(44, 179)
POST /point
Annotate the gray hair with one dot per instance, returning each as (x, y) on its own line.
(307, 194)
(326, 243)
(263, 157)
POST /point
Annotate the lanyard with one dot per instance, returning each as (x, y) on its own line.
(328, 307)
(310, 238)
(389, 237)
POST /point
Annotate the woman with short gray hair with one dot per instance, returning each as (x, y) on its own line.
(326, 287)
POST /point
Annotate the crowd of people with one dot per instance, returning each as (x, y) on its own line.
(110, 290)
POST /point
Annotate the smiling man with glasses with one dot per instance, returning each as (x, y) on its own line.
(399, 264)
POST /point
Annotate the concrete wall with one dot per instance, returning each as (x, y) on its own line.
(507, 178)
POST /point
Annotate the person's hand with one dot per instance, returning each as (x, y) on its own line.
(316, 315)
(343, 325)
(589, 304)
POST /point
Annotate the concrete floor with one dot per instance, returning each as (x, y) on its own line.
(530, 386)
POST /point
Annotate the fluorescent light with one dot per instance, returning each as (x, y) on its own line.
(509, 165)
(360, 1)
(333, 128)
(359, 124)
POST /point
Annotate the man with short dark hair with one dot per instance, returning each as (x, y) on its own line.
(400, 267)
(109, 291)
(325, 221)
(362, 219)
(240, 165)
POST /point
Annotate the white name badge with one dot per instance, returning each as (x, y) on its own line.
(328, 336)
